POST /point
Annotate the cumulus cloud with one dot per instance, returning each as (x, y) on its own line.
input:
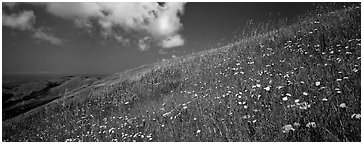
(25, 21)
(22, 21)
(10, 5)
(158, 21)
(121, 39)
(173, 41)
(40, 34)
(144, 44)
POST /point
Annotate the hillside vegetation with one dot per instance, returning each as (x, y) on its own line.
(297, 83)
(20, 97)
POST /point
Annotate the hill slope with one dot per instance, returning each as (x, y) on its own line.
(19, 97)
(297, 83)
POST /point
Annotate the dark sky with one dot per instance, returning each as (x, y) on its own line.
(55, 43)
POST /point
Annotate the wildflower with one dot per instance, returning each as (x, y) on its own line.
(355, 70)
(166, 114)
(324, 99)
(296, 124)
(198, 131)
(357, 116)
(317, 83)
(297, 100)
(287, 94)
(305, 93)
(111, 130)
(267, 88)
(258, 85)
(287, 128)
(149, 136)
(279, 87)
(304, 105)
(342, 105)
(311, 124)
(246, 116)
(245, 106)
(284, 98)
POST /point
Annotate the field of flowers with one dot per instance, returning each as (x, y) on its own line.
(297, 83)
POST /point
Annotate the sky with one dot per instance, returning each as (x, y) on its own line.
(106, 38)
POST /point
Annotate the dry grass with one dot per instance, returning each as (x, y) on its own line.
(298, 83)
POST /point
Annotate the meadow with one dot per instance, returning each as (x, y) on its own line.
(285, 82)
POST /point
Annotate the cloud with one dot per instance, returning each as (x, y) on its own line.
(173, 41)
(151, 19)
(121, 39)
(10, 5)
(144, 44)
(25, 21)
(40, 34)
(22, 21)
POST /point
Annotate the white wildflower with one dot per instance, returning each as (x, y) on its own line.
(342, 105)
(166, 114)
(258, 85)
(246, 116)
(317, 83)
(357, 116)
(198, 131)
(284, 98)
(267, 88)
(304, 105)
(305, 93)
(296, 124)
(287, 128)
(324, 99)
(311, 124)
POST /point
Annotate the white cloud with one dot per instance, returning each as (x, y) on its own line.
(173, 41)
(121, 39)
(10, 5)
(159, 22)
(144, 44)
(22, 21)
(40, 34)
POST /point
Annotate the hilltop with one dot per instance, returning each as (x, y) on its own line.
(296, 83)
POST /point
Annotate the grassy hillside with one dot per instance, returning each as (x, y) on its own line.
(296, 83)
(21, 97)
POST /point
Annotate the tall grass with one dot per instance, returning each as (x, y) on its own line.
(304, 76)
